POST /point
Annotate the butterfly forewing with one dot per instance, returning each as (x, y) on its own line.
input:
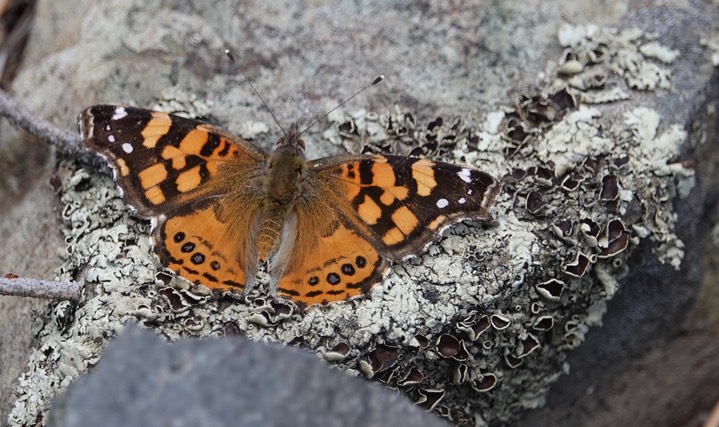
(163, 161)
(404, 202)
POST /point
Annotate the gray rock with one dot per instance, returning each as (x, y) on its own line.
(144, 381)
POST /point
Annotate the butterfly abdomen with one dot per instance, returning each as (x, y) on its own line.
(269, 233)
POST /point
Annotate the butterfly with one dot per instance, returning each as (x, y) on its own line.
(328, 229)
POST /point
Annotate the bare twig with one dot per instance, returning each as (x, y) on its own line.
(67, 143)
(38, 288)
(18, 28)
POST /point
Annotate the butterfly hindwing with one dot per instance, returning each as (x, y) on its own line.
(337, 265)
(198, 245)
(404, 203)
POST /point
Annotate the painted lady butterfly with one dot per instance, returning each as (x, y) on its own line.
(328, 228)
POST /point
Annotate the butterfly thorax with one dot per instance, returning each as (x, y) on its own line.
(282, 185)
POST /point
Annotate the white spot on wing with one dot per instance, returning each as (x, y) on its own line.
(111, 138)
(462, 201)
(469, 192)
(464, 175)
(127, 147)
(119, 113)
(442, 203)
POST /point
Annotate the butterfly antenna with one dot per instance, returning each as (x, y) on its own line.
(377, 80)
(231, 57)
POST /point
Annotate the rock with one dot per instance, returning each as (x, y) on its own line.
(143, 380)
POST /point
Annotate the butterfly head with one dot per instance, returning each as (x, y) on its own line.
(292, 140)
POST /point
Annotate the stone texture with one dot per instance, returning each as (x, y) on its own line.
(144, 380)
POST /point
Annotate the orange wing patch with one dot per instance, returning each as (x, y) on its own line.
(200, 248)
(155, 128)
(423, 175)
(338, 266)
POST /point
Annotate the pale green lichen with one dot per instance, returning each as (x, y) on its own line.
(183, 103)
(712, 44)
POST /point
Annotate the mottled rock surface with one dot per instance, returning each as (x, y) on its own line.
(596, 131)
(143, 380)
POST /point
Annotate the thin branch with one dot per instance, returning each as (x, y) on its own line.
(38, 288)
(67, 143)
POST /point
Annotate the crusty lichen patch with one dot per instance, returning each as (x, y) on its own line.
(486, 308)
(711, 42)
